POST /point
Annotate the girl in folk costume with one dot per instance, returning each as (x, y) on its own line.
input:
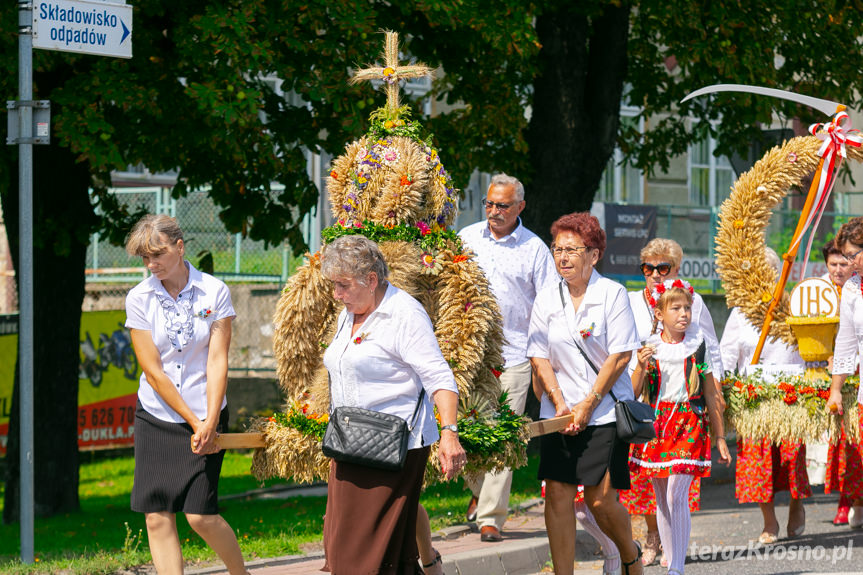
(674, 375)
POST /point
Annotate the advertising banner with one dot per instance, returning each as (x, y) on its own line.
(627, 230)
(107, 382)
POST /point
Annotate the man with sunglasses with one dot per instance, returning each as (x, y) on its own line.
(517, 264)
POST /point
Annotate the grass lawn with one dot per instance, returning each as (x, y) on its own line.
(105, 536)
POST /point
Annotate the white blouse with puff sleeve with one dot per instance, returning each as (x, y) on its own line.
(384, 365)
(181, 332)
(605, 314)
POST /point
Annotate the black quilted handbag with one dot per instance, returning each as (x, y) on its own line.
(370, 438)
(634, 420)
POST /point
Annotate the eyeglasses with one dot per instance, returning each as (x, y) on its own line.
(852, 256)
(569, 251)
(491, 205)
(664, 268)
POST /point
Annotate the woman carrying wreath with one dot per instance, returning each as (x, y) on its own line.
(383, 357)
(180, 322)
(583, 316)
(660, 261)
(762, 468)
(849, 343)
(844, 466)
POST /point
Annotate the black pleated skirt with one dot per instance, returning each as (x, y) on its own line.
(168, 476)
(583, 459)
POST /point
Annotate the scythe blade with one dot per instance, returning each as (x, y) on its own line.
(826, 106)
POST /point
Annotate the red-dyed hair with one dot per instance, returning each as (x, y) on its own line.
(585, 226)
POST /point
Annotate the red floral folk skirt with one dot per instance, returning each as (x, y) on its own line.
(845, 465)
(641, 500)
(681, 446)
(763, 469)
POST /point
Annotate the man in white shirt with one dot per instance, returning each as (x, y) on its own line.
(518, 265)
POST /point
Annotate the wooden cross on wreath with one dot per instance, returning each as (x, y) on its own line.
(391, 73)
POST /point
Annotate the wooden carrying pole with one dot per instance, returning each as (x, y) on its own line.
(546, 426)
(240, 440)
(255, 440)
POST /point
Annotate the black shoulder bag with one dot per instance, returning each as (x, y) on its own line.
(634, 419)
(370, 438)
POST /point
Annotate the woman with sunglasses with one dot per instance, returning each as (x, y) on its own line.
(660, 261)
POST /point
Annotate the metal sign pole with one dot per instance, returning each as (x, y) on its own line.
(25, 278)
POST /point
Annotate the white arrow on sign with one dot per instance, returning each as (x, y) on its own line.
(84, 27)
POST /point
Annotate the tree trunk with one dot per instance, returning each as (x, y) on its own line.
(63, 217)
(575, 111)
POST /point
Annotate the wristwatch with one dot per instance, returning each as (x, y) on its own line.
(452, 427)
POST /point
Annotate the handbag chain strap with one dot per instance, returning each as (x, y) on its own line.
(416, 412)
(575, 341)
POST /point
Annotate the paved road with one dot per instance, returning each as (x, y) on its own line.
(722, 542)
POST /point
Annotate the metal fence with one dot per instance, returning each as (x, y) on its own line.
(235, 258)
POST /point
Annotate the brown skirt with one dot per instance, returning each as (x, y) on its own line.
(370, 525)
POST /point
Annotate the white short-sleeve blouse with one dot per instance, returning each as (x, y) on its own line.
(181, 331)
(849, 338)
(602, 325)
(384, 365)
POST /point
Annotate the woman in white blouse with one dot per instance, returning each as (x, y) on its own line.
(180, 323)
(383, 355)
(587, 311)
(849, 339)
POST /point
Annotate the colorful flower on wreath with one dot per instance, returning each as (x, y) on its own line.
(785, 387)
(360, 338)
(587, 331)
(792, 157)
(431, 264)
(390, 156)
(358, 224)
(389, 124)
(497, 371)
(334, 175)
(424, 228)
(390, 76)
(406, 180)
(739, 224)
(460, 258)
(790, 398)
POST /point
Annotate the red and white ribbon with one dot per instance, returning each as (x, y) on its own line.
(836, 135)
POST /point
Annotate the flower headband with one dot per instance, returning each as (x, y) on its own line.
(661, 288)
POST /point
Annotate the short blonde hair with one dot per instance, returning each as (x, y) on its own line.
(665, 249)
(145, 240)
(353, 256)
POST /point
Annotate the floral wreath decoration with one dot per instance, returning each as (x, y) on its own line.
(661, 288)
(391, 187)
